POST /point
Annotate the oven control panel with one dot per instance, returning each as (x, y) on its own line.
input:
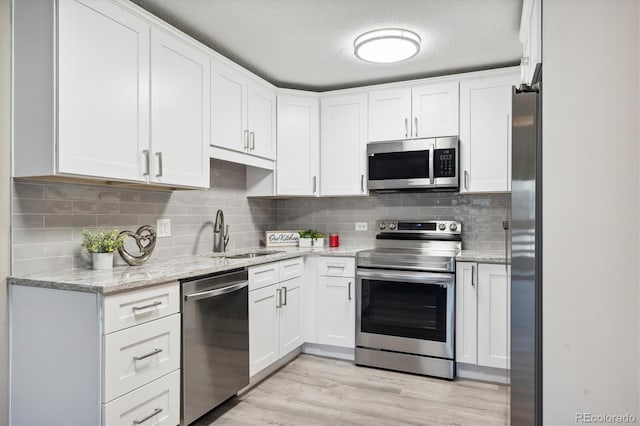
(438, 227)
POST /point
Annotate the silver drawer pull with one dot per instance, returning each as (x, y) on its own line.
(140, 358)
(336, 265)
(150, 305)
(155, 412)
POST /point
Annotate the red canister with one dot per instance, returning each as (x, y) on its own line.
(334, 240)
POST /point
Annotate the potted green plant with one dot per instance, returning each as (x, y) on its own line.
(305, 238)
(101, 246)
(317, 239)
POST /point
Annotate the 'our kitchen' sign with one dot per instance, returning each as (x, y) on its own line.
(281, 238)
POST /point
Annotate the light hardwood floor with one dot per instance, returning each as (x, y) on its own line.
(313, 391)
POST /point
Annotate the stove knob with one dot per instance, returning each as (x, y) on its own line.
(392, 226)
(442, 226)
(453, 226)
(382, 226)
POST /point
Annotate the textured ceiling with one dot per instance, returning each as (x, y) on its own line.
(308, 44)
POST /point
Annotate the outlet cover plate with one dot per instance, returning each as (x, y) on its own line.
(163, 228)
(361, 226)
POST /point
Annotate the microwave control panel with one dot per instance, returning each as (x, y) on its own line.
(444, 163)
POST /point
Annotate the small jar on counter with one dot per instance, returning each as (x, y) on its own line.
(334, 240)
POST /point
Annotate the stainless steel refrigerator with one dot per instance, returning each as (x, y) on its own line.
(526, 256)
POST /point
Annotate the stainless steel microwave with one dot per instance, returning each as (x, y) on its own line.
(418, 164)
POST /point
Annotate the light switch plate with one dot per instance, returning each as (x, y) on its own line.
(361, 226)
(163, 228)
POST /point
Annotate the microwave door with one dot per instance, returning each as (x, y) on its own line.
(400, 170)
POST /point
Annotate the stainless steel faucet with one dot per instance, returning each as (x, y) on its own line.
(220, 233)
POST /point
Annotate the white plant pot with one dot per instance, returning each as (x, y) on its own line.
(319, 242)
(305, 242)
(102, 261)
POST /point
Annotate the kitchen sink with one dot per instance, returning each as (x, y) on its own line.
(248, 255)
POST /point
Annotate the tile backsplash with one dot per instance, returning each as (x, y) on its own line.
(481, 215)
(48, 217)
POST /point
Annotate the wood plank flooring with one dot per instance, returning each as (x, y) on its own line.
(312, 391)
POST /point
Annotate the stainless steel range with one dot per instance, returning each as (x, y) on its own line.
(405, 297)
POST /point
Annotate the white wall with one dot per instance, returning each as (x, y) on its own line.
(591, 196)
(5, 105)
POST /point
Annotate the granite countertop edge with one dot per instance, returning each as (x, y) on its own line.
(125, 278)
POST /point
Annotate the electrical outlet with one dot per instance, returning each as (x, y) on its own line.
(163, 228)
(361, 226)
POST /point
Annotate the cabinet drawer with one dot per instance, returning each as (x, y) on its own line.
(139, 306)
(291, 268)
(337, 266)
(137, 355)
(264, 275)
(161, 397)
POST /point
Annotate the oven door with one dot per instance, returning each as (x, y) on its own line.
(405, 311)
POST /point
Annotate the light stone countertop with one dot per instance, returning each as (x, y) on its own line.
(482, 256)
(123, 278)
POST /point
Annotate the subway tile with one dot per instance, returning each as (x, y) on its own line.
(27, 251)
(137, 208)
(128, 220)
(94, 207)
(79, 193)
(38, 266)
(27, 236)
(25, 221)
(41, 206)
(23, 189)
(69, 221)
(156, 197)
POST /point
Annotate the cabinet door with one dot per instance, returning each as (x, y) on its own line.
(466, 312)
(390, 114)
(103, 91)
(494, 315)
(336, 311)
(343, 145)
(228, 108)
(485, 133)
(435, 110)
(291, 315)
(179, 112)
(261, 121)
(264, 331)
(298, 145)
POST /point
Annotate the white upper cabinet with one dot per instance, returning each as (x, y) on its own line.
(343, 145)
(435, 110)
(243, 113)
(103, 98)
(531, 39)
(228, 107)
(390, 114)
(424, 111)
(179, 112)
(298, 145)
(485, 133)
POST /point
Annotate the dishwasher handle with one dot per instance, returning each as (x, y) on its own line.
(216, 292)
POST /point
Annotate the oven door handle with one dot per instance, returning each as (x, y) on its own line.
(408, 276)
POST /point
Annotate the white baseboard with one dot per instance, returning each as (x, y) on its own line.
(329, 351)
(485, 374)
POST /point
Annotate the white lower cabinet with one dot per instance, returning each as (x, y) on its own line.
(336, 302)
(483, 314)
(275, 313)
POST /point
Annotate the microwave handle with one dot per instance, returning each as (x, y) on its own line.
(432, 160)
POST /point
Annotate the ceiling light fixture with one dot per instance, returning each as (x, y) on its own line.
(387, 45)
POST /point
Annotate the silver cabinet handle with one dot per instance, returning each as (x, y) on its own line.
(155, 412)
(252, 137)
(147, 162)
(246, 139)
(349, 290)
(362, 183)
(279, 298)
(315, 186)
(416, 121)
(285, 296)
(159, 155)
(406, 127)
(466, 179)
(473, 276)
(154, 352)
(336, 265)
(216, 292)
(150, 305)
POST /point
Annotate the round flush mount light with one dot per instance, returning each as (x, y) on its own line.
(387, 45)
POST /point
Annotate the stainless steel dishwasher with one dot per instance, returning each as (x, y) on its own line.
(215, 341)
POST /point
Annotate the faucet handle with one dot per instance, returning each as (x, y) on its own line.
(226, 237)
